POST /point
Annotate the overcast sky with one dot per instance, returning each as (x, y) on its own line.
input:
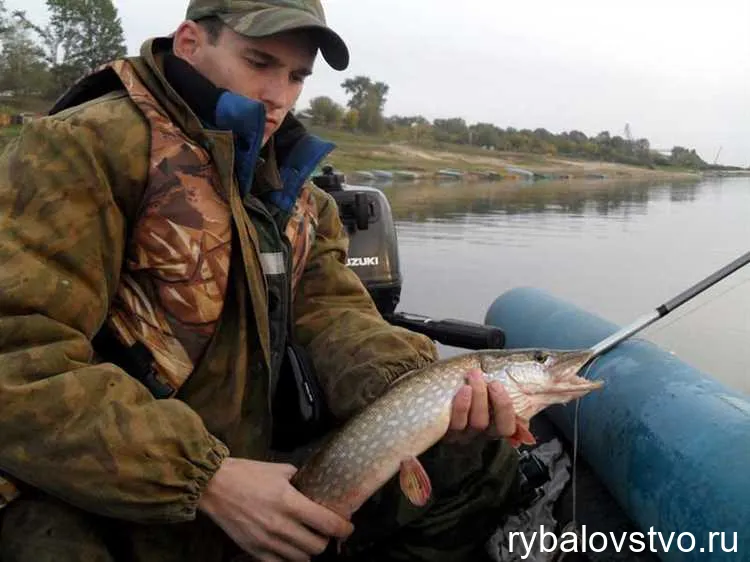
(678, 72)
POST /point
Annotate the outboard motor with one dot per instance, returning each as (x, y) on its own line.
(373, 255)
(373, 244)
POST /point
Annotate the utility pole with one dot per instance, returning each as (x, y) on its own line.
(628, 135)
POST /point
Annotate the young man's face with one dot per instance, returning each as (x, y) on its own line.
(271, 70)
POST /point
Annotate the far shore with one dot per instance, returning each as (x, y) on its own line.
(362, 158)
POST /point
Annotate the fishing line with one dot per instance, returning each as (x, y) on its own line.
(575, 463)
(572, 525)
(667, 307)
(627, 332)
(697, 308)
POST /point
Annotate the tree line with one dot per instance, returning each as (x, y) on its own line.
(364, 114)
(43, 61)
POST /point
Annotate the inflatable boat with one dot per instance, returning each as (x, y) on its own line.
(662, 451)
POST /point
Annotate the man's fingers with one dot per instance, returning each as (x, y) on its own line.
(319, 518)
(285, 551)
(263, 557)
(267, 546)
(479, 415)
(504, 417)
(302, 538)
(266, 556)
(461, 407)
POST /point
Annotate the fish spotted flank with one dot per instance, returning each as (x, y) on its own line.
(415, 414)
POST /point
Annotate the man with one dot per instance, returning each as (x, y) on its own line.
(160, 251)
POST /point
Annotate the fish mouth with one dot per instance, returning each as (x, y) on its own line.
(582, 386)
(574, 388)
(568, 366)
(567, 377)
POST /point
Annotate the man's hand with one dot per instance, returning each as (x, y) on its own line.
(482, 409)
(257, 506)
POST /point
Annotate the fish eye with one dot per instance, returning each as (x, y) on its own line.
(540, 357)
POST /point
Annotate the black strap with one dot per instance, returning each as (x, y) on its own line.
(136, 360)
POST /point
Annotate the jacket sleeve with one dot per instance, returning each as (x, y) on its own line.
(86, 433)
(355, 352)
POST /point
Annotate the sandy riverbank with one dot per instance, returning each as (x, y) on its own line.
(360, 154)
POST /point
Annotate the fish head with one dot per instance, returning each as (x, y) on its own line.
(541, 376)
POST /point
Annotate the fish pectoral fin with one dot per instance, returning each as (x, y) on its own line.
(522, 436)
(415, 483)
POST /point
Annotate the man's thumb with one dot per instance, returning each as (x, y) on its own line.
(288, 470)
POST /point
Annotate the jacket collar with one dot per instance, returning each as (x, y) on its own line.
(199, 105)
(296, 151)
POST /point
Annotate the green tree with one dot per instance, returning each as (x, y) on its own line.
(22, 67)
(544, 135)
(371, 117)
(81, 35)
(4, 23)
(520, 141)
(486, 134)
(578, 137)
(411, 128)
(358, 89)
(368, 98)
(399, 121)
(687, 158)
(326, 112)
(452, 130)
(351, 120)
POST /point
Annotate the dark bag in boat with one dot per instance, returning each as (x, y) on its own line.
(300, 411)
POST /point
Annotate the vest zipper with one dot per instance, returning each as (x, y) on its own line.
(285, 296)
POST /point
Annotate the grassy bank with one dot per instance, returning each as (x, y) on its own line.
(356, 152)
(10, 106)
(7, 133)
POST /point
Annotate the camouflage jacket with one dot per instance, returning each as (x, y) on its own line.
(84, 430)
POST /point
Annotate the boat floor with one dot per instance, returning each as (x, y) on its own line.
(595, 506)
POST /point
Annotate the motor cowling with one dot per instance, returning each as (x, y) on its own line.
(373, 256)
(373, 243)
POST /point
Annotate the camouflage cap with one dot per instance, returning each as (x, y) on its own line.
(254, 18)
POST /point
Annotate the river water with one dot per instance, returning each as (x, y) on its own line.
(617, 250)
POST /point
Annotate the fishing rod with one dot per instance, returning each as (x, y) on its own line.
(661, 311)
(623, 334)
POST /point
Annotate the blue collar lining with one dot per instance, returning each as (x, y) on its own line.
(246, 119)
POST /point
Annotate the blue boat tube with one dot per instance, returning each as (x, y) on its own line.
(670, 443)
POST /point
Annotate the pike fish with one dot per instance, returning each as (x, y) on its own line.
(386, 437)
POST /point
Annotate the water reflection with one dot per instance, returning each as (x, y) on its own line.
(684, 192)
(431, 201)
(614, 249)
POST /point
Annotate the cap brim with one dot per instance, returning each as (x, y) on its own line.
(333, 48)
(331, 45)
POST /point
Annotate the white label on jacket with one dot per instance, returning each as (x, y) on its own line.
(273, 263)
